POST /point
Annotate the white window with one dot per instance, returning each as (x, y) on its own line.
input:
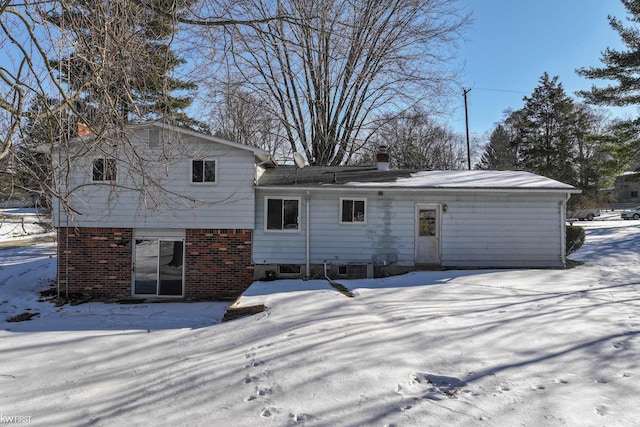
(353, 211)
(204, 172)
(282, 214)
(104, 169)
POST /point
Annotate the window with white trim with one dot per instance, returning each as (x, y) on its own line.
(204, 171)
(104, 169)
(353, 211)
(282, 214)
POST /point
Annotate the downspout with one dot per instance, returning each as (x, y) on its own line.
(307, 246)
(563, 229)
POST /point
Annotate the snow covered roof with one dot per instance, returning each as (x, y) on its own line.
(370, 177)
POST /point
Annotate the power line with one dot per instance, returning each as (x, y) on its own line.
(501, 90)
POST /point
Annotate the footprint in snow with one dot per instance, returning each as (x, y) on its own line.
(431, 386)
(299, 418)
(267, 412)
(602, 410)
(249, 380)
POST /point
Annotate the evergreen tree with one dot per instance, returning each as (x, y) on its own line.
(547, 130)
(499, 154)
(623, 68)
(123, 61)
(33, 173)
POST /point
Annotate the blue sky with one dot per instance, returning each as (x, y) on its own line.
(511, 43)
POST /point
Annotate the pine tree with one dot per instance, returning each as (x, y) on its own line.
(622, 67)
(546, 131)
(499, 154)
(123, 61)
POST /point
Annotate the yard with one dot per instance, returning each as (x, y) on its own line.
(483, 347)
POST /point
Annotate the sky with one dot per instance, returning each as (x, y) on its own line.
(511, 43)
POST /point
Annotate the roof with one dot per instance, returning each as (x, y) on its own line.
(370, 178)
(263, 156)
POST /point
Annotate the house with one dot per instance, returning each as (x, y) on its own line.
(355, 220)
(227, 214)
(626, 189)
(165, 212)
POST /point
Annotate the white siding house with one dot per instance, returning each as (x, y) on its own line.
(155, 211)
(463, 219)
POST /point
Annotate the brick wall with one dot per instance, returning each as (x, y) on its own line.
(96, 260)
(217, 263)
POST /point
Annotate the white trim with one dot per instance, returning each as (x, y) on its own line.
(266, 216)
(208, 159)
(353, 199)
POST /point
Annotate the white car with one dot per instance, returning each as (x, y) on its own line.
(631, 214)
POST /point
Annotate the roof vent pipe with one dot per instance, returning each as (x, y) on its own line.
(382, 158)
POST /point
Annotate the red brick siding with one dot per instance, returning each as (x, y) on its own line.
(96, 260)
(217, 263)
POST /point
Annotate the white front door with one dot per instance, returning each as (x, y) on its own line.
(427, 234)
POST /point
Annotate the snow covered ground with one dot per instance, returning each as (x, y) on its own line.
(467, 348)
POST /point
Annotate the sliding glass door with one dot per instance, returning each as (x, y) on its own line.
(158, 267)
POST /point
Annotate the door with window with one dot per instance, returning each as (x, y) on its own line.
(427, 234)
(158, 267)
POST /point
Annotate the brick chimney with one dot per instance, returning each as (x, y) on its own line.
(382, 158)
(83, 129)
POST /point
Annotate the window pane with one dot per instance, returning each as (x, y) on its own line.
(171, 254)
(274, 214)
(146, 263)
(210, 171)
(291, 214)
(110, 170)
(197, 172)
(358, 210)
(347, 210)
(427, 218)
(98, 170)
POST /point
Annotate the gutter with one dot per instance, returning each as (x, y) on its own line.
(456, 190)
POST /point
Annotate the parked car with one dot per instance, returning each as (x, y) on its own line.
(631, 213)
(583, 213)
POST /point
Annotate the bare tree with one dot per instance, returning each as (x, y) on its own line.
(240, 117)
(415, 141)
(104, 63)
(333, 63)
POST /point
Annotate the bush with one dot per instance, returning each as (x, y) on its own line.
(574, 238)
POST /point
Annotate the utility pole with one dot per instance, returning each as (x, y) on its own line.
(466, 120)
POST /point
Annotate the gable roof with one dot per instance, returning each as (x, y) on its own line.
(370, 178)
(263, 156)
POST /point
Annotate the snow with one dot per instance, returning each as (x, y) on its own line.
(18, 223)
(454, 348)
(472, 179)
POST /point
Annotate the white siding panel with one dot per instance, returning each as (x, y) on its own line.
(478, 230)
(180, 204)
(503, 232)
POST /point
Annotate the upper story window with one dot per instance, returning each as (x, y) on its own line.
(204, 172)
(104, 169)
(282, 214)
(353, 211)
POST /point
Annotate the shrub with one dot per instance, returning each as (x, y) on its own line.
(574, 238)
